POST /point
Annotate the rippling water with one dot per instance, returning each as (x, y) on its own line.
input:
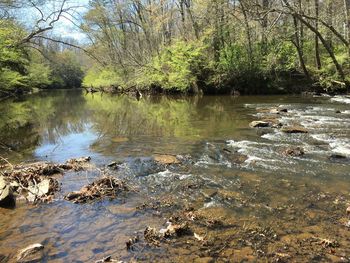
(300, 201)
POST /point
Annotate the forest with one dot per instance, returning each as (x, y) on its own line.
(177, 46)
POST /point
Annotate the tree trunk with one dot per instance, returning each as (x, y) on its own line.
(317, 46)
(264, 24)
(326, 45)
(347, 21)
(247, 28)
(299, 49)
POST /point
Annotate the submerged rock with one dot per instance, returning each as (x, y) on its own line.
(166, 159)
(294, 129)
(28, 251)
(273, 122)
(293, 151)
(336, 157)
(234, 156)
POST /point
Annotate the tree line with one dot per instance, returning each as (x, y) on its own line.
(30, 57)
(214, 46)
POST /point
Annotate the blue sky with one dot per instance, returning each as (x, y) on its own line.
(64, 27)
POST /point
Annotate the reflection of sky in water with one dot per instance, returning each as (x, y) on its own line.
(69, 146)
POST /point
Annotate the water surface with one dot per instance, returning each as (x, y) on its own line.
(273, 207)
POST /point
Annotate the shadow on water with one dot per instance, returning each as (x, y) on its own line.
(236, 190)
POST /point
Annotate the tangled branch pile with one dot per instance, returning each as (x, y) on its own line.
(99, 189)
(35, 182)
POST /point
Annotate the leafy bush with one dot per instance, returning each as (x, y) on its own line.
(176, 68)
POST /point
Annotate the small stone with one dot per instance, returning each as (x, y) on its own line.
(28, 251)
(348, 210)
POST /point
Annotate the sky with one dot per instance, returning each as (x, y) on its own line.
(63, 28)
(66, 29)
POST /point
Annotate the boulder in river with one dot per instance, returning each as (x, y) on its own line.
(259, 124)
(294, 129)
(271, 122)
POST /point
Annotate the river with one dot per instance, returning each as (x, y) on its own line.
(255, 203)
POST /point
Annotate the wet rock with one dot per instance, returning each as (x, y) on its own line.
(278, 110)
(131, 242)
(234, 156)
(348, 210)
(198, 237)
(29, 251)
(6, 194)
(328, 242)
(108, 259)
(37, 191)
(294, 129)
(114, 165)
(120, 139)
(209, 193)
(204, 260)
(99, 189)
(338, 111)
(259, 124)
(293, 151)
(274, 123)
(339, 158)
(229, 195)
(177, 230)
(77, 164)
(166, 159)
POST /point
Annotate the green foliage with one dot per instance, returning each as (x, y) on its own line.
(176, 68)
(281, 57)
(233, 58)
(13, 60)
(10, 79)
(105, 77)
(66, 71)
(39, 75)
(24, 69)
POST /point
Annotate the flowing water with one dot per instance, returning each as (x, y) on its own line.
(270, 207)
